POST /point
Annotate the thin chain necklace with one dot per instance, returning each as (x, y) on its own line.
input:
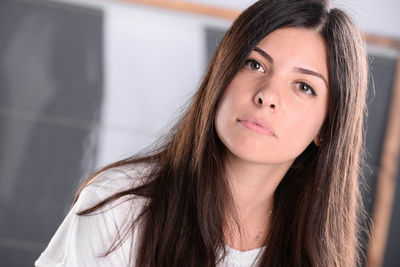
(256, 239)
(258, 236)
(260, 232)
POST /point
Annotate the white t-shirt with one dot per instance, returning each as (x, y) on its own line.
(81, 240)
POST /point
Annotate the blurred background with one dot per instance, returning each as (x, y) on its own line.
(84, 83)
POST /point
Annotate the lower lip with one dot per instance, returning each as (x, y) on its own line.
(256, 128)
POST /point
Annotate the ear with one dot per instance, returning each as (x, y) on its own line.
(318, 140)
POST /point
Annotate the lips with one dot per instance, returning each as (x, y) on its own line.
(257, 126)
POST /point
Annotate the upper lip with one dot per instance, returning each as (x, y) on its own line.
(259, 122)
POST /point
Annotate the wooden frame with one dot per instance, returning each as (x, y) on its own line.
(386, 184)
(189, 7)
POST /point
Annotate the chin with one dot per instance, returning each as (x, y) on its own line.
(251, 157)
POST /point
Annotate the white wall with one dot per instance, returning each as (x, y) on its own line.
(379, 17)
(154, 62)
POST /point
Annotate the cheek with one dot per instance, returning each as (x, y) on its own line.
(229, 132)
(223, 123)
(304, 127)
(228, 106)
(222, 116)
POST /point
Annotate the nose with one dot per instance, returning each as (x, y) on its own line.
(268, 98)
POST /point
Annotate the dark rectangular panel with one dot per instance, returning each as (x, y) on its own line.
(51, 90)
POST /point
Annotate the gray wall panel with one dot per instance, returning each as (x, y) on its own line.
(51, 90)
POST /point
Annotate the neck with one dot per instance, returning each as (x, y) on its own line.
(252, 186)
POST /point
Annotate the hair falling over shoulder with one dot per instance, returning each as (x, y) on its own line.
(317, 204)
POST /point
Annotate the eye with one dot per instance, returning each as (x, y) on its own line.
(306, 88)
(254, 65)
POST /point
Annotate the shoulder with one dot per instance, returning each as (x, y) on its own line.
(81, 240)
(112, 181)
(119, 178)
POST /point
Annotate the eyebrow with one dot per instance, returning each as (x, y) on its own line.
(264, 54)
(310, 72)
(300, 70)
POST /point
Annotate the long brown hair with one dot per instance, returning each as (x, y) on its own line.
(315, 218)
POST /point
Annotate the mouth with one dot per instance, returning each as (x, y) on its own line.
(257, 126)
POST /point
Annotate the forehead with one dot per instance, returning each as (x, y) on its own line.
(297, 47)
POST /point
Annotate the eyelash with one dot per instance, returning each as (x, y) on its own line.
(309, 88)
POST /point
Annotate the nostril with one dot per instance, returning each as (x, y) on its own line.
(272, 105)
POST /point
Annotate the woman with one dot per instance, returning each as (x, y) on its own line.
(263, 168)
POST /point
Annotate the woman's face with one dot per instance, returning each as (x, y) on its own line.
(277, 102)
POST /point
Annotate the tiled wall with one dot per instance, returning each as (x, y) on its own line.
(51, 90)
